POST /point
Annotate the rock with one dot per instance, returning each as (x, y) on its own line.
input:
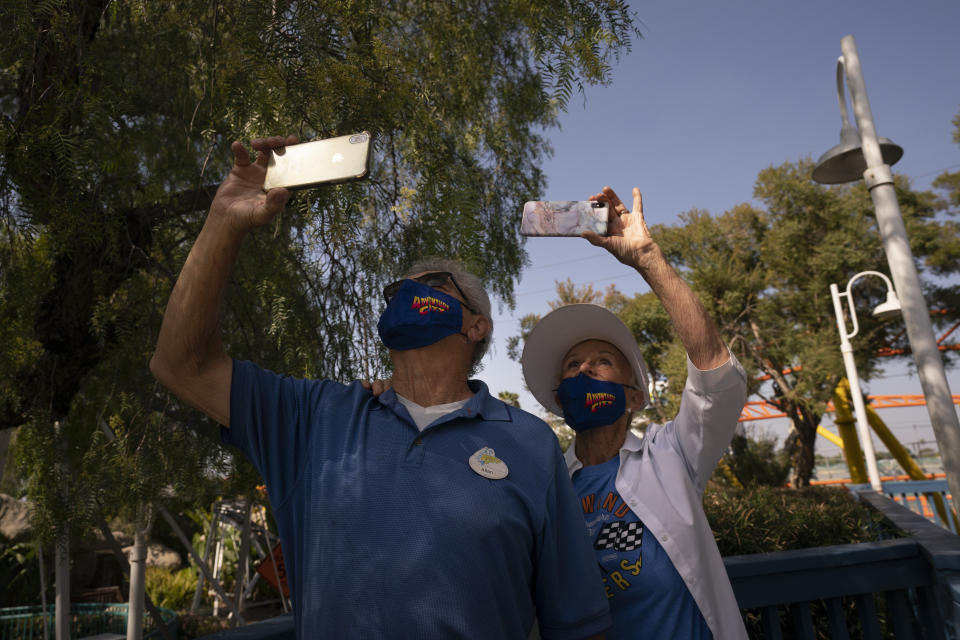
(14, 519)
(158, 555)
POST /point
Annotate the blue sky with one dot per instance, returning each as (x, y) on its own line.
(716, 92)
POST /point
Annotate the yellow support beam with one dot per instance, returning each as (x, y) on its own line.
(829, 435)
(848, 433)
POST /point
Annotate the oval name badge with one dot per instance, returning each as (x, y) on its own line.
(488, 465)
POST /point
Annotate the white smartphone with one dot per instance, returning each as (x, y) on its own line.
(564, 218)
(308, 164)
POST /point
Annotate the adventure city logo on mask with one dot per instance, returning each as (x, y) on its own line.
(588, 402)
(426, 304)
(418, 316)
(596, 400)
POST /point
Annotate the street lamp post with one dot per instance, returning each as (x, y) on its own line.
(916, 315)
(888, 308)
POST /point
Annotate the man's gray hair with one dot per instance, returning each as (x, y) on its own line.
(472, 287)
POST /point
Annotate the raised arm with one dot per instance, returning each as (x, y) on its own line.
(630, 242)
(190, 359)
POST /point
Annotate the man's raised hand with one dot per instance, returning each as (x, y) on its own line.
(241, 199)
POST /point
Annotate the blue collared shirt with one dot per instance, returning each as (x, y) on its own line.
(388, 531)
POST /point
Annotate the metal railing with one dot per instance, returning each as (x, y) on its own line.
(86, 619)
(921, 496)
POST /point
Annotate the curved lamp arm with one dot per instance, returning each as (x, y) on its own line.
(847, 293)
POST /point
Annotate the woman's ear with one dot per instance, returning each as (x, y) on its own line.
(635, 398)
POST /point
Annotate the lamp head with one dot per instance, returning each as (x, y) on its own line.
(888, 309)
(845, 162)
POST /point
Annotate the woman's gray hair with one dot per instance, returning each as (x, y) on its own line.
(472, 288)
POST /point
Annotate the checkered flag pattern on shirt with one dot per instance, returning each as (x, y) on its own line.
(621, 536)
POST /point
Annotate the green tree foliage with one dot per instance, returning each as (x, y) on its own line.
(19, 573)
(765, 274)
(765, 519)
(950, 181)
(510, 397)
(753, 462)
(115, 125)
(171, 589)
(515, 343)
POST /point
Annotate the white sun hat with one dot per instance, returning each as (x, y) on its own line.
(562, 329)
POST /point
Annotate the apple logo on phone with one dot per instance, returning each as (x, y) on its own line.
(337, 157)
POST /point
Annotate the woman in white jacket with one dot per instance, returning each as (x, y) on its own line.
(642, 498)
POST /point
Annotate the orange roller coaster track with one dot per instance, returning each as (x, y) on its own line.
(761, 410)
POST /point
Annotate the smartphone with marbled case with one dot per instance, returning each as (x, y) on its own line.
(563, 218)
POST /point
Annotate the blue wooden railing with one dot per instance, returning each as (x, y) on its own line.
(906, 588)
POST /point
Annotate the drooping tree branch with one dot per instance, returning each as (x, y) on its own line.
(83, 274)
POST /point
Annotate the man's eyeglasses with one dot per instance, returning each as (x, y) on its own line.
(434, 280)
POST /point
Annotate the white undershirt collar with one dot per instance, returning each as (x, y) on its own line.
(424, 416)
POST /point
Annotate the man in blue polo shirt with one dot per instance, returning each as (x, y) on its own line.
(433, 511)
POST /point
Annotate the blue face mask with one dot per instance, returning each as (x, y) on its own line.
(588, 402)
(418, 316)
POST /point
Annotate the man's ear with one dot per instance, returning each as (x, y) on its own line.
(478, 328)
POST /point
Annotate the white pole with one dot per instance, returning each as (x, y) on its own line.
(62, 598)
(916, 315)
(863, 427)
(137, 583)
(243, 558)
(217, 565)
